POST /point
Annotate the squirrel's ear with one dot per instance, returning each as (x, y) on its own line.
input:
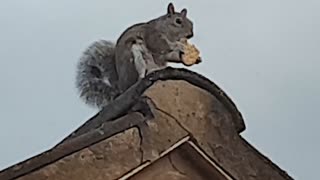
(184, 12)
(170, 9)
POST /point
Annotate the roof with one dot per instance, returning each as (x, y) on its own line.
(193, 116)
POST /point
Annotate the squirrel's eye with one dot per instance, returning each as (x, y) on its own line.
(178, 21)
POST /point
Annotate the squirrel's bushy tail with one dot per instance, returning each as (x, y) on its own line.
(96, 75)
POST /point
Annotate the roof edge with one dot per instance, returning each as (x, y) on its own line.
(89, 134)
(267, 160)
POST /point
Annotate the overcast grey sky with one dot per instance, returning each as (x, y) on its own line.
(264, 54)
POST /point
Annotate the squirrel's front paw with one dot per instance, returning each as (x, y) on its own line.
(181, 46)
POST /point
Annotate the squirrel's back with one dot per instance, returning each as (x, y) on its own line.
(96, 76)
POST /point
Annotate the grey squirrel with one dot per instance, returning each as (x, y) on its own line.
(108, 69)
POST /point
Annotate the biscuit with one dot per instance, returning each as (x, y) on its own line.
(191, 54)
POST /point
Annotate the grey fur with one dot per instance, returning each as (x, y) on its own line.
(96, 77)
(139, 59)
(143, 59)
(107, 70)
(160, 38)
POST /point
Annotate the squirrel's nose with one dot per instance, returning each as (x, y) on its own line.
(190, 35)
